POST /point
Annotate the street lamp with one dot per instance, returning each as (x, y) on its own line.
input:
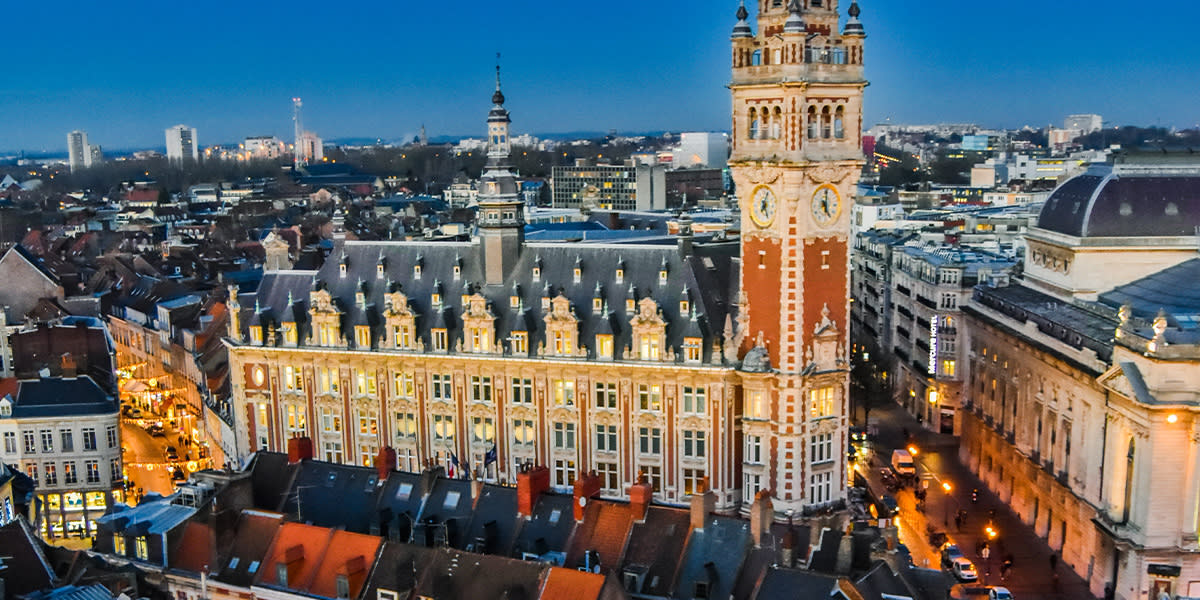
(946, 488)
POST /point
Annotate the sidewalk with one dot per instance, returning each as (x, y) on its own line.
(1031, 577)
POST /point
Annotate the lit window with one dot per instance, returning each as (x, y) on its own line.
(692, 479)
(406, 426)
(648, 348)
(289, 334)
(483, 430)
(821, 402)
(523, 432)
(692, 350)
(604, 346)
(650, 397)
(564, 392)
(362, 336)
(443, 428)
(520, 342)
(404, 386)
(256, 336)
(364, 382)
(756, 405)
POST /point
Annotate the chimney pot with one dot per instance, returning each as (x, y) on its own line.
(531, 483)
(586, 487)
(299, 448)
(704, 502)
(641, 494)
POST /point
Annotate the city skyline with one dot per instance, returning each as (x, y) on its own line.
(926, 67)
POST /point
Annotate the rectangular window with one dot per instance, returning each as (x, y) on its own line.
(51, 473)
(821, 448)
(32, 471)
(114, 471)
(293, 379)
(606, 438)
(89, 438)
(650, 397)
(694, 400)
(403, 385)
(694, 444)
(142, 548)
(10, 442)
(820, 489)
(609, 477)
(70, 473)
(650, 440)
(289, 334)
(47, 441)
(606, 395)
(442, 390)
(364, 382)
(751, 484)
(331, 422)
(754, 447)
(564, 436)
(30, 442)
(523, 432)
(362, 336)
(821, 402)
(692, 479)
(295, 420)
(481, 389)
(256, 336)
(520, 342)
(333, 452)
(406, 426)
(604, 347)
(483, 430)
(118, 544)
(564, 392)
(402, 336)
(110, 434)
(648, 347)
(368, 425)
(327, 380)
(654, 476)
(562, 343)
(366, 454)
(443, 428)
(564, 473)
(522, 391)
(439, 340)
(692, 350)
(92, 468)
(480, 339)
(949, 368)
(68, 441)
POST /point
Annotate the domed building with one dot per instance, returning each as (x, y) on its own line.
(1115, 224)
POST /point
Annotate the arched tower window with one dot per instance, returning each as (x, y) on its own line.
(839, 123)
(777, 123)
(813, 126)
(754, 124)
(826, 123)
(1129, 456)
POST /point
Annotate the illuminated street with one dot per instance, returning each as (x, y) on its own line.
(937, 462)
(145, 459)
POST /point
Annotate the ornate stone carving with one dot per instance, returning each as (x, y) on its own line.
(762, 175)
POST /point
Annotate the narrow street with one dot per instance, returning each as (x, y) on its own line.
(1031, 577)
(145, 459)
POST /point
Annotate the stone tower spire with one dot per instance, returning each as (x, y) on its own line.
(501, 215)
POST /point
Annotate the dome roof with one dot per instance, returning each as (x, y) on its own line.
(757, 360)
(1113, 204)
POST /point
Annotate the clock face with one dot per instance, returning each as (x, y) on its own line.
(762, 207)
(826, 204)
(260, 376)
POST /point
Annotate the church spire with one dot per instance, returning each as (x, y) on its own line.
(498, 97)
(742, 29)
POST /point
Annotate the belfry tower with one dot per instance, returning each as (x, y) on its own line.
(796, 158)
(501, 217)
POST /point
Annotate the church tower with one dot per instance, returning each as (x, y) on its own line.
(501, 214)
(796, 158)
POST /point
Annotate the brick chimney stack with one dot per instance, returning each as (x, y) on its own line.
(641, 494)
(704, 502)
(762, 512)
(299, 448)
(531, 483)
(385, 462)
(586, 488)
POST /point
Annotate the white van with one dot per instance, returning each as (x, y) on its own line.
(902, 463)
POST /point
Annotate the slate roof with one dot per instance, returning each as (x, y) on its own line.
(61, 397)
(25, 567)
(789, 584)
(74, 592)
(604, 531)
(249, 546)
(707, 278)
(1078, 325)
(657, 546)
(1108, 203)
(151, 517)
(713, 556)
(1172, 290)
(331, 494)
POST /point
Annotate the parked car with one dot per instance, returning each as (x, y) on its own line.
(889, 502)
(949, 553)
(135, 413)
(172, 453)
(156, 431)
(963, 570)
(999, 593)
(902, 464)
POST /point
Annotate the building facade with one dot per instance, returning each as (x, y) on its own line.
(79, 152)
(628, 186)
(182, 144)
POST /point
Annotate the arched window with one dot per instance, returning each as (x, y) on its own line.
(756, 58)
(813, 126)
(839, 123)
(1128, 480)
(754, 125)
(777, 123)
(826, 123)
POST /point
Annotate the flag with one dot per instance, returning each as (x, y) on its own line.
(489, 457)
(453, 466)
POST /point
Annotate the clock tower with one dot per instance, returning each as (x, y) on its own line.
(796, 158)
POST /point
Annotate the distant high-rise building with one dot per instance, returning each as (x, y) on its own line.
(1084, 124)
(78, 151)
(627, 186)
(262, 147)
(181, 144)
(95, 156)
(311, 148)
(707, 150)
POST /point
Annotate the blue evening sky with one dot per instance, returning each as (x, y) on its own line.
(126, 70)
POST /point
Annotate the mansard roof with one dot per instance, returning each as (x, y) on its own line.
(706, 278)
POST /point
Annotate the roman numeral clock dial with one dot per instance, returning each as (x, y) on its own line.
(826, 205)
(762, 207)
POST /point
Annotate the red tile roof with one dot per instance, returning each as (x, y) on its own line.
(301, 547)
(197, 549)
(349, 554)
(569, 584)
(605, 529)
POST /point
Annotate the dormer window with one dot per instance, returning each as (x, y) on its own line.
(620, 277)
(379, 270)
(360, 298)
(256, 335)
(416, 271)
(514, 301)
(597, 304)
(630, 305)
(520, 342)
(362, 336)
(402, 334)
(5, 408)
(578, 274)
(440, 338)
(436, 299)
(684, 306)
(691, 349)
(480, 340)
(343, 586)
(604, 347)
(545, 302)
(289, 334)
(649, 347)
(342, 268)
(537, 273)
(457, 272)
(662, 277)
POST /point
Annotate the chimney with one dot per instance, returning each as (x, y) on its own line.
(385, 462)
(787, 548)
(704, 502)
(531, 483)
(640, 496)
(586, 487)
(68, 366)
(299, 448)
(762, 512)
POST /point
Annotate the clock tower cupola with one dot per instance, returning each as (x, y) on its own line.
(796, 156)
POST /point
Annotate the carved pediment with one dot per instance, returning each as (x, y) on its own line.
(477, 309)
(606, 417)
(647, 315)
(322, 303)
(760, 175)
(560, 311)
(397, 305)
